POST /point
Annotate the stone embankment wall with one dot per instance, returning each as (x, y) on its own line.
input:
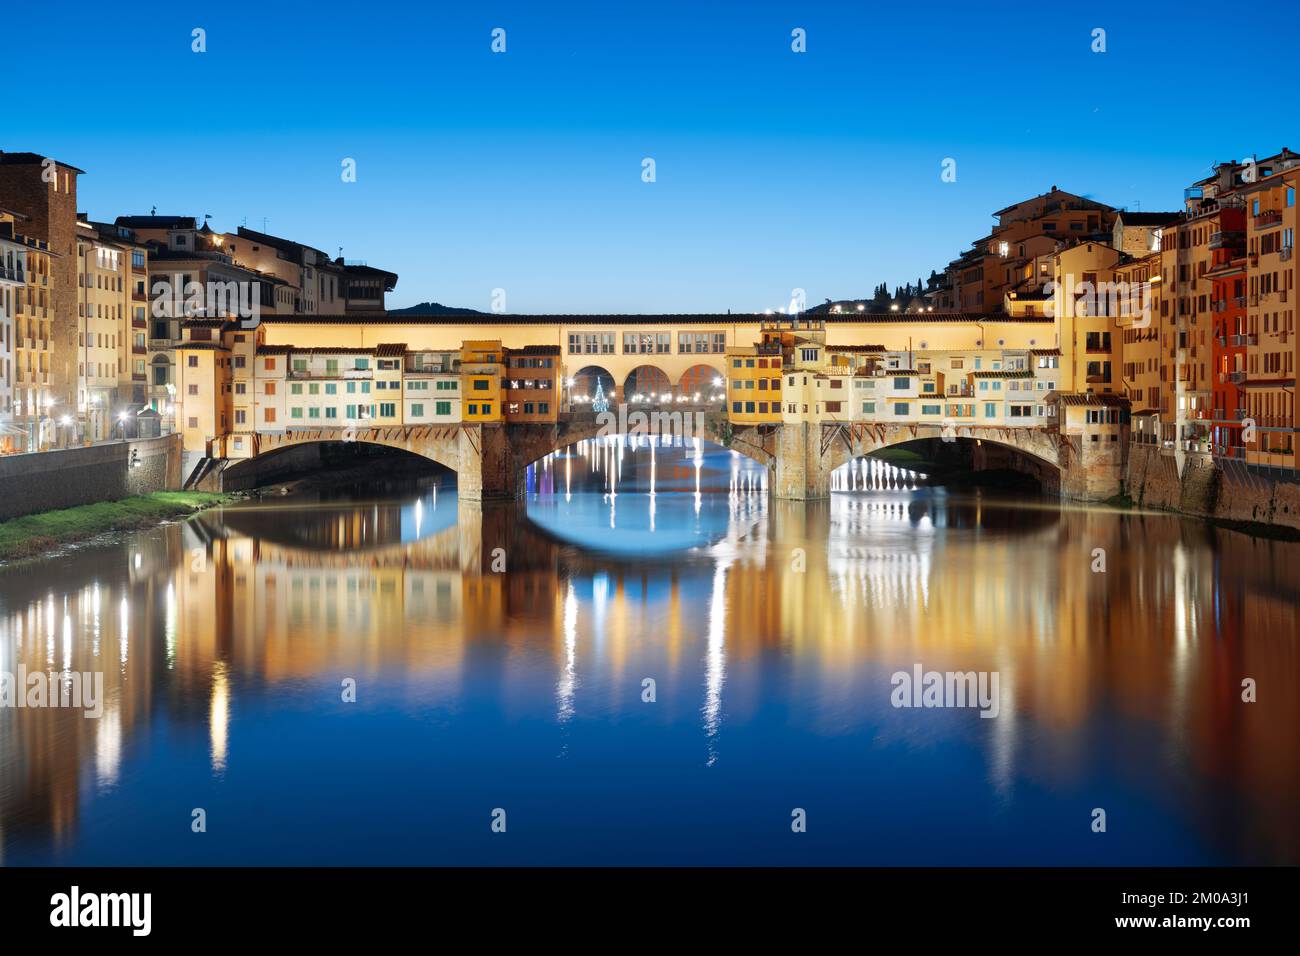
(43, 481)
(1225, 491)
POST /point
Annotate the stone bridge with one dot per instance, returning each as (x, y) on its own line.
(490, 460)
(801, 457)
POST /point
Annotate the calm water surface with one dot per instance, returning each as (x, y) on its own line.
(770, 629)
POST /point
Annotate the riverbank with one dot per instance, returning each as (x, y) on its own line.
(34, 535)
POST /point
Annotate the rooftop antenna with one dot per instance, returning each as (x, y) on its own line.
(153, 210)
(264, 221)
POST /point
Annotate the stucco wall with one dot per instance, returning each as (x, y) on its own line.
(42, 481)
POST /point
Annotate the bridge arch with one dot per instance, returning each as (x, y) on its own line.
(582, 384)
(702, 380)
(647, 383)
(282, 452)
(1031, 451)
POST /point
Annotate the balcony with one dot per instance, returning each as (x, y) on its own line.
(13, 275)
(1269, 217)
(1284, 253)
(1236, 378)
(1227, 239)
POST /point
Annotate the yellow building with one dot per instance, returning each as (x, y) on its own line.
(754, 384)
(482, 368)
(204, 366)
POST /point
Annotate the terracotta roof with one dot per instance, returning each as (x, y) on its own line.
(1008, 373)
(206, 346)
(316, 350)
(1086, 398)
(536, 350)
(1044, 351)
(1148, 218)
(390, 349)
(856, 348)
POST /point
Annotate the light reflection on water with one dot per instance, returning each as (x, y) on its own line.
(770, 629)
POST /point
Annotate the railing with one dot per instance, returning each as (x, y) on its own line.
(1284, 253)
(1236, 378)
(1270, 217)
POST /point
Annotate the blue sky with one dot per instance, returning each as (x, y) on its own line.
(522, 170)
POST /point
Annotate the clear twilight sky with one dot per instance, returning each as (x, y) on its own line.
(522, 170)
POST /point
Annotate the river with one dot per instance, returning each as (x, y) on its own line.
(651, 661)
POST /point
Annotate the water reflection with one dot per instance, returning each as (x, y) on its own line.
(872, 474)
(225, 643)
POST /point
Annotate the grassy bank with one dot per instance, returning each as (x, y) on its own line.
(33, 535)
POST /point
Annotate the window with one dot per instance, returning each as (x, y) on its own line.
(929, 409)
(473, 408)
(331, 412)
(868, 408)
(387, 409)
(901, 408)
(417, 409)
(268, 415)
(481, 384)
(990, 409)
(900, 384)
(487, 408)
(442, 408)
(295, 412)
(192, 361)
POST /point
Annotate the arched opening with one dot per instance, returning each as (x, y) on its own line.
(647, 384)
(702, 384)
(583, 385)
(959, 462)
(332, 469)
(645, 493)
